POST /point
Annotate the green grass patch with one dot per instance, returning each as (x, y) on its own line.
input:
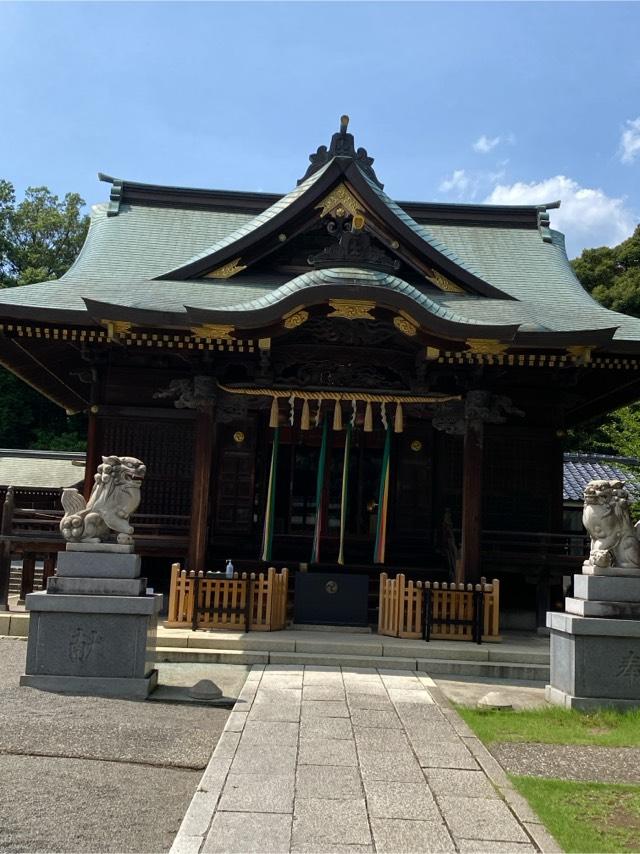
(586, 817)
(554, 725)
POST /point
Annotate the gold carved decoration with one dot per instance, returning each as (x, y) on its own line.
(342, 197)
(433, 353)
(213, 330)
(227, 270)
(580, 353)
(486, 346)
(295, 318)
(349, 309)
(264, 343)
(238, 437)
(444, 283)
(405, 325)
(116, 328)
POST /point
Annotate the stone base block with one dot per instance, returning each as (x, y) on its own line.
(83, 564)
(130, 689)
(97, 586)
(595, 662)
(607, 588)
(109, 548)
(611, 610)
(92, 644)
(611, 571)
(586, 704)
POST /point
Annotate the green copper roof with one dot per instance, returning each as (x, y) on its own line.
(124, 254)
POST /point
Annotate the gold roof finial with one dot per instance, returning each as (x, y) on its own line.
(344, 123)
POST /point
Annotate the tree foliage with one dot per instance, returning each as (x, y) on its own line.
(612, 275)
(40, 238)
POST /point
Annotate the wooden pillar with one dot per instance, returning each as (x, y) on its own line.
(472, 498)
(93, 453)
(203, 453)
(28, 574)
(5, 549)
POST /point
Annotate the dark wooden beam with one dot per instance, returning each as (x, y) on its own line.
(472, 499)
(5, 548)
(93, 454)
(203, 453)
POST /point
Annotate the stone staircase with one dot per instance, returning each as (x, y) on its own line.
(518, 656)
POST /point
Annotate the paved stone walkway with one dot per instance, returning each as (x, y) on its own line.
(328, 759)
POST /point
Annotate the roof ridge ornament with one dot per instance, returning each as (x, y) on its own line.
(342, 145)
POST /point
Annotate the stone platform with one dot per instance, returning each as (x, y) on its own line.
(94, 630)
(595, 643)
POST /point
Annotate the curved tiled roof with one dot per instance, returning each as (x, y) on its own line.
(124, 254)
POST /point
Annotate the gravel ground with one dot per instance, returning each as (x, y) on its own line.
(570, 761)
(95, 774)
(75, 805)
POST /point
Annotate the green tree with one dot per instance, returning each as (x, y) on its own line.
(40, 238)
(612, 274)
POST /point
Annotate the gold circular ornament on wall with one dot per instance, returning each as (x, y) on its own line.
(238, 437)
(416, 445)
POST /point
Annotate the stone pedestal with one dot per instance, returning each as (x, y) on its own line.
(94, 630)
(595, 643)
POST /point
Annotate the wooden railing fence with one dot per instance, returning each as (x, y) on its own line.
(246, 602)
(402, 609)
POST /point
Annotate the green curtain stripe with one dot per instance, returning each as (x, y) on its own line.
(267, 536)
(344, 499)
(381, 524)
(322, 464)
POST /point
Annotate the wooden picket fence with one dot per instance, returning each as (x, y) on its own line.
(401, 612)
(247, 602)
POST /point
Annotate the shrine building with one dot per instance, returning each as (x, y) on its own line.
(328, 379)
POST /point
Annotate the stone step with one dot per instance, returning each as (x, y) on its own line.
(340, 643)
(442, 666)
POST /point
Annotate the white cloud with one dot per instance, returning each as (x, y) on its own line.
(588, 217)
(630, 141)
(458, 183)
(484, 144)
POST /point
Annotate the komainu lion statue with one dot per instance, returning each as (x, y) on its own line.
(606, 516)
(114, 497)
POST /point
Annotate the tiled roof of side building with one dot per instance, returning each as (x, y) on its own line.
(579, 469)
(41, 469)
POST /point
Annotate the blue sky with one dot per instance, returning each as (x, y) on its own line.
(503, 102)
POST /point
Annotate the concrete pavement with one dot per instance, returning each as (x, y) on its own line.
(344, 759)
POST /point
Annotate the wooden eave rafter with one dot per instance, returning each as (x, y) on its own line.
(34, 368)
(415, 250)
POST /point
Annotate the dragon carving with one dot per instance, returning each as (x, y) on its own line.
(114, 497)
(606, 516)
